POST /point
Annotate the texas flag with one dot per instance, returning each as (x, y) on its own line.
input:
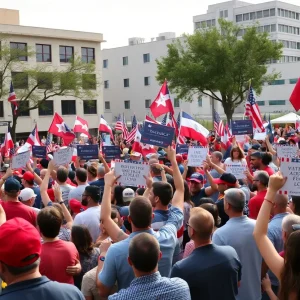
(8, 146)
(148, 119)
(104, 127)
(34, 138)
(162, 103)
(12, 98)
(81, 126)
(59, 128)
(139, 147)
(192, 129)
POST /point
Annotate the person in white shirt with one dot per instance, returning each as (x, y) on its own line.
(237, 157)
(61, 179)
(81, 179)
(27, 197)
(90, 217)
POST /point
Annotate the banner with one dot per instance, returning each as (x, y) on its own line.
(111, 152)
(286, 151)
(132, 173)
(260, 136)
(20, 160)
(239, 127)
(238, 170)
(157, 135)
(39, 151)
(181, 149)
(88, 151)
(63, 156)
(197, 155)
(290, 168)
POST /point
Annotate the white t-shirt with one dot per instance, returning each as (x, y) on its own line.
(91, 219)
(77, 192)
(229, 161)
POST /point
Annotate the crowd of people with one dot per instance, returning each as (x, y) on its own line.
(69, 232)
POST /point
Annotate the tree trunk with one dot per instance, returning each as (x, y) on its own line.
(228, 110)
(13, 128)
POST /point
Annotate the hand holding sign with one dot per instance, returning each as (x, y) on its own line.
(63, 156)
(110, 179)
(20, 160)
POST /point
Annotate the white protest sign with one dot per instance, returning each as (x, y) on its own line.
(240, 138)
(197, 155)
(286, 151)
(238, 170)
(290, 168)
(20, 160)
(260, 136)
(132, 173)
(63, 156)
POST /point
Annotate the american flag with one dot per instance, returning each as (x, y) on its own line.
(180, 138)
(252, 111)
(119, 124)
(132, 133)
(125, 129)
(164, 120)
(48, 144)
(218, 124)
(12, 98)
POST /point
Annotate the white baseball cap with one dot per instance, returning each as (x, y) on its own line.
(26, 194)
(128, 195)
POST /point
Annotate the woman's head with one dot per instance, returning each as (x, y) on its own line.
(91, 172)
(236, 153)
(82, 239)
(114, 216)
(213, 209)
(117, 195)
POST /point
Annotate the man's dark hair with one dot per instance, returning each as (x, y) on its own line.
(49, 221)
(62, 174)
(266, 158)
(22, 270)
(155, 171)
(94, 192)
(81, 174)
(140, 191)
(140, 212)
(205, 200)
(144, 252)
(163, 191)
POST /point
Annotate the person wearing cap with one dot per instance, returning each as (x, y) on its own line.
(238, 233)
(19, 266)
(260, 162)
(27, 197)
(91, 216)
(12, 206)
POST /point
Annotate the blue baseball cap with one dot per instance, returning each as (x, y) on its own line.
(12, 185)
(197, 177)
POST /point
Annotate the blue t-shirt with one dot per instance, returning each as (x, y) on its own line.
(41, 288)
(38, 199)
(211, 271)
(196, 198)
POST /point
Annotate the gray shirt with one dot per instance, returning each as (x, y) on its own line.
(77, 192)
(238, 233)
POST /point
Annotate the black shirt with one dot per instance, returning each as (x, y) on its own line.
(196, 198)
(224, 217)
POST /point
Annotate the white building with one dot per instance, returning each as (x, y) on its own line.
(53, 49)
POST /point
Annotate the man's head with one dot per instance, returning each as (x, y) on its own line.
(140, 213)
(216, 157)
(255, 160)
(101, 172)
(81, 176)
(20, 249)
(260, 180)
(128, 195)
(91, 195)
(196, 183)
(62, 175)
(135, 156)
(201, 225)
(225, 182)
(144, 253)
(27, 196)
(287, 225)
(12, 188)
(28, 179)
(161, 194)
(280, 204)
(234, 202)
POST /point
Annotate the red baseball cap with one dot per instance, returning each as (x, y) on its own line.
(76, 206)
(28, 176)
(19, 241)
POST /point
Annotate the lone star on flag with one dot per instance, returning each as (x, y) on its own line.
(61, 127)
(162, 99)
(84, 127)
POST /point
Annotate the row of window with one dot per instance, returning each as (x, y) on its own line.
(271, 102)
(204, 24)
(287, 14)
(126, 82)
(45, 81)
(44, 53)
(68, 107)
(255, 15)
(287, 58)
(283, 81)
(125, 61)
(290, 44)
(288, 29)
(265, 28)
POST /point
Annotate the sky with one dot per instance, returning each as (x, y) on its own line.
(118, 20)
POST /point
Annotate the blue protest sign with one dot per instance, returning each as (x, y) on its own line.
(157, 135)
(39, 151)
(180, 149)
(111, 151)
(240, 127)
(88, 151)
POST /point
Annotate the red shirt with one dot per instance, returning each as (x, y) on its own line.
(19, 210)
(55, 258)
(255, 204)
(269, 170)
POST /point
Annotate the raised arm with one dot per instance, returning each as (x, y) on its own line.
(7, 174)
(213, 186)
(44, 184)
(37, 178)
(274, 261)
(103, 161)
(269, 145)
(220, 170)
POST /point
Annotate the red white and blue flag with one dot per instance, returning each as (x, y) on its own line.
(218, 124)
(81, 126)
(133, 131)
(104, 127)
(180, 137)
(34, 138)
(119, 124)
(148, 119)
(12, 98)
(125, 129)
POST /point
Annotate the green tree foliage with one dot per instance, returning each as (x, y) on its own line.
(34, 84)
(218, 63)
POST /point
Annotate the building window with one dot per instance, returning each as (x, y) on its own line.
(272, 12)
(260, 103)
(89, 81)
(125, 61)
(293, 81)
(107, 105)
(90, 107)
(246, 17)
(68, 107)
(224, 13)
(176, 102)
(43, 53)
(126, 82)
(239, 18)
(146, 57)
(46, 108)
(45, 81)
(147, 81)
(66, 53)
(106, 84)
(259, 14)
(266, 13)
(105, 63)
(277, 102)
(273, 27)
(127, 104)
(200, 102)
(1, 109)
(18, 51)
(277, 82)
(23, 110)
(253, 15)
(88, 54)
(147, 103)
(20, 80)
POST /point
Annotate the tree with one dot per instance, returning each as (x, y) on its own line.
(35, 84)
(218, 63)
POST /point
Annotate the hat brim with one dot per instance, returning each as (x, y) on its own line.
(220, 181)
(196, 180)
